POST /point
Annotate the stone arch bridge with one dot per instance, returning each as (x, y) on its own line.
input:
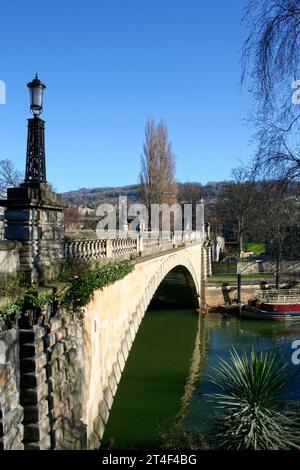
(58, 378)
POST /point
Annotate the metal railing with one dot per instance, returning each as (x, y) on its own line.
(283, 296)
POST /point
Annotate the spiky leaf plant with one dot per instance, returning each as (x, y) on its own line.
(250, 416)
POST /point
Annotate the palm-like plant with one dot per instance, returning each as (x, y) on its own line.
(252, 386)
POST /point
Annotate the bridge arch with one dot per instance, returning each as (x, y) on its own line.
(119, 310)
(176, 290)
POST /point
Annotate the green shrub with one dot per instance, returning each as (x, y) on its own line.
(29, 300)
(11, 285)
(74, 267)
(250, 406)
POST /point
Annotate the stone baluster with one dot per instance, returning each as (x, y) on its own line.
(98, 245)
(102, 248)
(96, 253)
(109, 248)
(141, 247)
(90, 250)
(79, 249)
(103, 245)
(84, 249)
(72, 249)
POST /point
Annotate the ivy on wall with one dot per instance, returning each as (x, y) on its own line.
(81, 288)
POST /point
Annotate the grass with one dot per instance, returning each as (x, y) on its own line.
(244, 276)
(257, 248)
(231, 279)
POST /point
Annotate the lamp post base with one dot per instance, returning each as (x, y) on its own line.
(34, 217)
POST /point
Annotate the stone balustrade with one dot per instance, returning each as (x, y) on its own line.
(90, 250)
(123, 246)
(93, 249)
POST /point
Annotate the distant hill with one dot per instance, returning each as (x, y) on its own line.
(212, 189)
(93, 196)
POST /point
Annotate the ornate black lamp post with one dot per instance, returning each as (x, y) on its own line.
(36, 159)
(34, 213)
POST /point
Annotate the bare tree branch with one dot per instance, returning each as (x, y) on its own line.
(10, 177)
(271, 60)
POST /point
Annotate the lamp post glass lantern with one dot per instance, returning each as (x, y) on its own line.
(36, 159)
(36, 90)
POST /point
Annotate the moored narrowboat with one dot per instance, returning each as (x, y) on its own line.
(281, 304)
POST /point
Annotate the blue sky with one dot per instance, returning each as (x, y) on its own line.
(108, 64)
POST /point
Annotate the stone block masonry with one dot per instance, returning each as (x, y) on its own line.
(34, 218)
(41, 377)
(11, 411)
(9, 257)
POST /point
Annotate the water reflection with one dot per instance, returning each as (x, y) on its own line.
(166, 375)
(241, 334)
(153, 382)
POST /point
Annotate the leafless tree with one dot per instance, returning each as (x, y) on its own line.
(236, 204)
(276, 213)
(157, 176)
(271, 60)
(10, 177)
(271, 49)
(190, 192)
(72, 217)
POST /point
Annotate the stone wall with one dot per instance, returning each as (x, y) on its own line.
(9, 257)
(1, 226)
(219, 295)
(11, 411)
(253, 267)
(51, 384)
(41, 383)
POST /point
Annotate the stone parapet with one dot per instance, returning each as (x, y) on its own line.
(94, 249)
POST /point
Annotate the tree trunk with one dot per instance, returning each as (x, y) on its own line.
(240, 241)
(278, 257)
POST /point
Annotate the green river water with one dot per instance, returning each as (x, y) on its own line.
(166, 374)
